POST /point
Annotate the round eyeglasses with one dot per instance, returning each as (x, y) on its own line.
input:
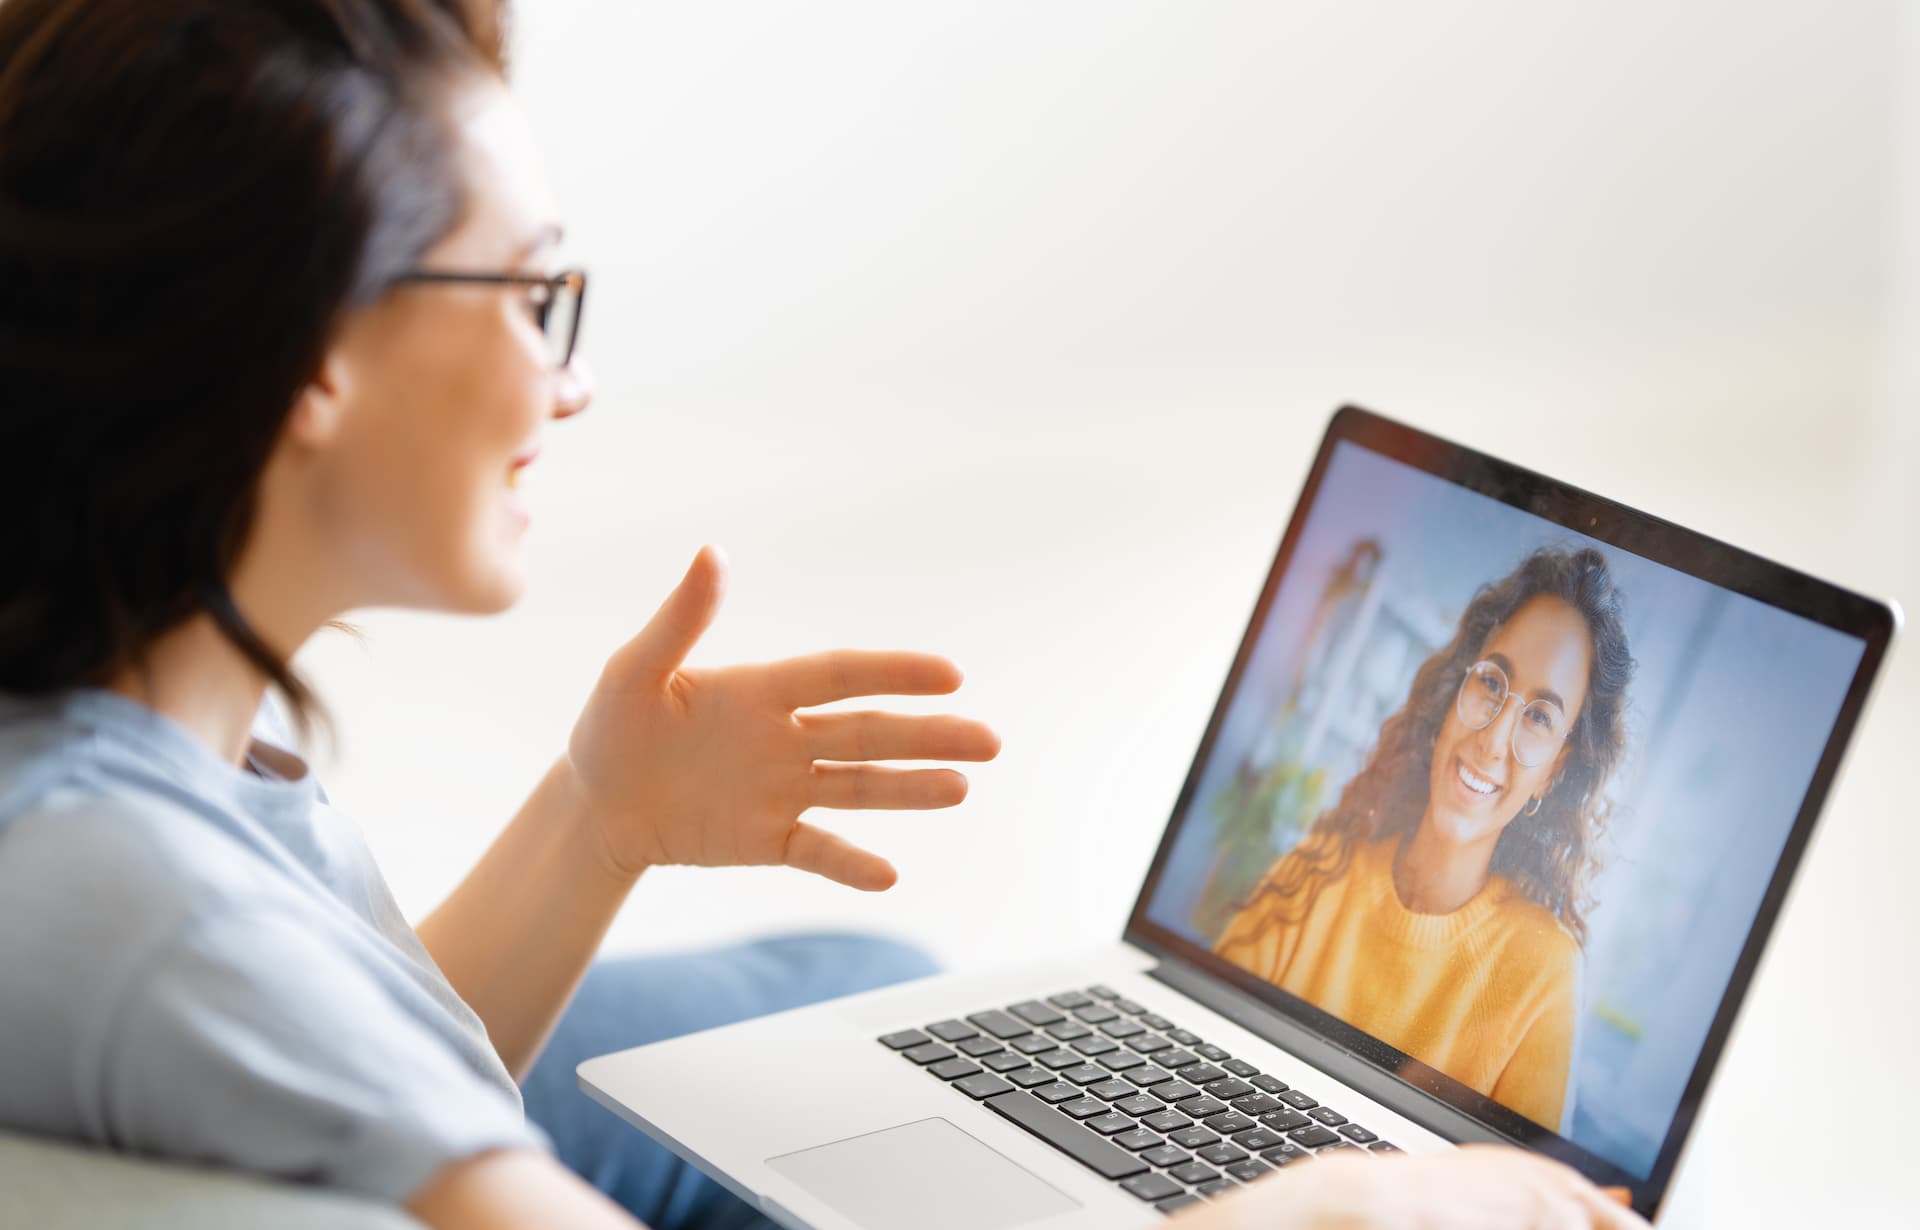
(1484, 693)
(556, 300)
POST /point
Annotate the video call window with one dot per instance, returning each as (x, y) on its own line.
(1503, 797)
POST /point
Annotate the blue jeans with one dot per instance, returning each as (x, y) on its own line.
(632, 1000)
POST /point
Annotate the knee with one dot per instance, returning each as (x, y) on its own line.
(842, 963)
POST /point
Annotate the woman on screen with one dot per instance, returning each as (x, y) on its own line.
(1441, 904)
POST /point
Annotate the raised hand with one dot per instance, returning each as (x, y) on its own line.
(714, 766)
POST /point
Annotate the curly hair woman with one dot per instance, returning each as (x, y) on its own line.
(1441, 904)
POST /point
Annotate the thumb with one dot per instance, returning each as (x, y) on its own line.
(678, 625)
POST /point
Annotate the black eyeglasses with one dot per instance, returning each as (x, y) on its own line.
(556, 300)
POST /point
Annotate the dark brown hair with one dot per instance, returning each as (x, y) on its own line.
(1551, 855)
(192, 195)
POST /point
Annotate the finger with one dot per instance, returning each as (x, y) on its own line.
(1611, 1209)
(877, 788)
(897, 736)
(833, 856)
(678, 625)
(838, 674)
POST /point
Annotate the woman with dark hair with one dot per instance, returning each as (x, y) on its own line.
(280, 325)
(1441, 904)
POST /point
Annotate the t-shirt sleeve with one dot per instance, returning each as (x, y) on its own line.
(248, 1043)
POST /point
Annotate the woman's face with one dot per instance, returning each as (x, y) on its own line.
(1477, 786)
(433, 399)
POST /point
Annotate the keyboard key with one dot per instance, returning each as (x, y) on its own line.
(951, 1031)
(1255, 1104)
(977, 1047)
(1298, 1100)
(1185, 1037)
(1068, 1031)
(1314, 1137)
(1202, 1106)
(1113, 1091)
(1084, 1108)
(1005, 1061)
(1168, 1120)
(1150, 1044)
(1194, 1172)
(902, 1039)
(1215, 1188)
(1340, 1146)
(1173, 1204)
(1138, 1139)
(1270, 1084)
(1110, 1124)
(1027, 1078)
(1285, 1155)
(1248, 1171)
(1147, 1076)
(1057, 1059)
(1239, 1067)
(1033, 1044)
(1284, 1120)
(1195, 1137)
(1088, 1148)
(1358, 1135)
(1229, 1123)
(1167, 1155)
(999, 1024)
(1153, 1020)
(1103, 991)
(1203, 1074)
(1123, 1029)
(1223, 1154)
(1327, 1115)
(1070, 999)
(1095, 1046)
(952, 1069)
(1152, 1187)
(983, 1085)
(1120, 1061)
(1059, 1091)
(1084, 1074)
(1207, 1050)
(1096, 1014)
(1381, 1146)
(1128, 1006)
(1253, 1140)
(1175, 1059)
(1138, 1104)
(1228, 1089)
(1035, 1013)
(927, 1052)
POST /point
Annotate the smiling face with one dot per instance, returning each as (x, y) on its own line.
(402, 460)
(1477, 786)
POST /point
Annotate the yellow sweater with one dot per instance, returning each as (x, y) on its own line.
(1484, 994)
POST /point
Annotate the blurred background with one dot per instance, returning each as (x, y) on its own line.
(1008, 330)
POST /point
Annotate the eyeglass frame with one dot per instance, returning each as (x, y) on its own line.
(573, 280)
(1507, 694)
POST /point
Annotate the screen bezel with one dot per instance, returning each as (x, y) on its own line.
(1627, 529)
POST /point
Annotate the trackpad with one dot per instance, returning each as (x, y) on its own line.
(928, 1175)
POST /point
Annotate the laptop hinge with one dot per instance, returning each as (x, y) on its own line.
(1336, 1061)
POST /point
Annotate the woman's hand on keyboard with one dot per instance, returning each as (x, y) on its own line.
(713, 766)
(1478, 1187)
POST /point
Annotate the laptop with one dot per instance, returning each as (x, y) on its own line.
(1483, 842)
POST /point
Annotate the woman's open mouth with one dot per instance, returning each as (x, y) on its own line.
(1473, 781)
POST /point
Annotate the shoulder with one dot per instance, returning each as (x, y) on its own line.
(1531, 937)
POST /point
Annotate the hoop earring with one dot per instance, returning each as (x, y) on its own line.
(1533, 808)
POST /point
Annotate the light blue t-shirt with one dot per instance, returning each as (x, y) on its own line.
(202, 963)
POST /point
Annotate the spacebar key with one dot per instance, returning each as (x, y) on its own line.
(1064, 1134)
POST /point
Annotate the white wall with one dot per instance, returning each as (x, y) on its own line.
(1007, 329)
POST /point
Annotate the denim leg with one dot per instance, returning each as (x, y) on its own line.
(628, 1001)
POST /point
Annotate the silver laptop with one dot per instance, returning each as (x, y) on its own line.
(1483, 841)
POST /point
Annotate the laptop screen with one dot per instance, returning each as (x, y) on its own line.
(1505, 796)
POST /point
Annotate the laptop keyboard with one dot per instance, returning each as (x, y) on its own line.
(1126, 1093)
